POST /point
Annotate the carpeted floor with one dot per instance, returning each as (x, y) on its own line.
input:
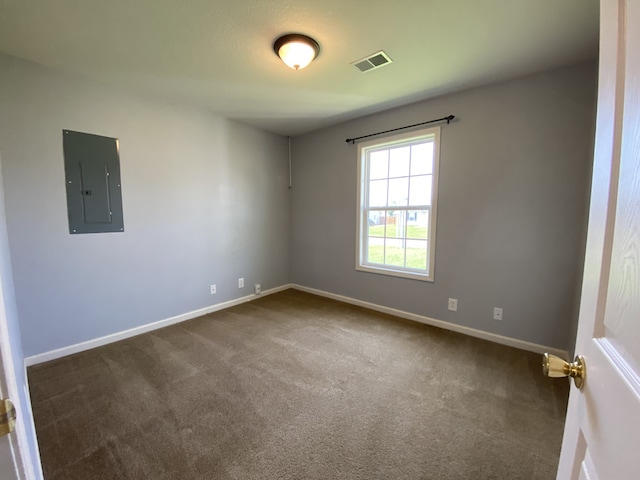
(294, 386)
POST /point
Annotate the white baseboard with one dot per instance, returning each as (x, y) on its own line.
(492, 337)
(114, 337)
(98, 342)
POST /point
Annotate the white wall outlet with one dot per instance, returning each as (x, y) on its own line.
(241, 283)
(213, 289)
(257, 288)
(497, 313)
(453, 304)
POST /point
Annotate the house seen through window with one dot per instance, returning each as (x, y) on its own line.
(398, 178)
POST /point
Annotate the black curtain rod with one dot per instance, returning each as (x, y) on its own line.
(448, 118)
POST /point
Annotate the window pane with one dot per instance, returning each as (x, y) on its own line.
(417, 224)
(375, 253)
(399, 162)
(395, 224)
(398, 192)
(417, 254)
(394, 252)
(420, 190)
(376, 224)
(422, 159)
(400, 175)
(378, 164)
(378, 193)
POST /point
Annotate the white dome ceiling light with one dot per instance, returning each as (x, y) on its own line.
(296, 50)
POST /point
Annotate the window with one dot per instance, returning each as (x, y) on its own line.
(397, 193)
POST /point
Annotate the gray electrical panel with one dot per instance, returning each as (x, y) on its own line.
(92, 170)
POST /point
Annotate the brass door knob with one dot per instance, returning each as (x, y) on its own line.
(7, 417)
(553, 366)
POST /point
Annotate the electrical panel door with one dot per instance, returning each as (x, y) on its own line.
(92, 170)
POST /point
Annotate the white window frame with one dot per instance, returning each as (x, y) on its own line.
(432, 133)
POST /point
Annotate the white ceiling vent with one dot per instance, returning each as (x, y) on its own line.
(371, 62)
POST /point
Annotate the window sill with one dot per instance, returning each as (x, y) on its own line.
(391, 272)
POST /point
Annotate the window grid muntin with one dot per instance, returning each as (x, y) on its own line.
(405, 209)
(384, 237)
(431, 153)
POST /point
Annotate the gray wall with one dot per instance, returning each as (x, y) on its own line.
(24, 419)
(514, 175)
(205, 201)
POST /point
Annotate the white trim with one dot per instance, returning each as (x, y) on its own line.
(35, 468)
(387, 270)
(26, 465)
(362, 207)
(114, 337)
(492, 337)
(433, 211)
(98, 342)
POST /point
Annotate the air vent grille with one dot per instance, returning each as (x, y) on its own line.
(371, 62)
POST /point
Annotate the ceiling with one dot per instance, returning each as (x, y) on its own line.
(218, 53)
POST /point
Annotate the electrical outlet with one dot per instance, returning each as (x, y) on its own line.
(497, 313)
(257, 288)
(241, 283)
(213, 289)
(453, 304)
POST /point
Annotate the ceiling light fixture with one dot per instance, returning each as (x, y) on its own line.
(296, 50)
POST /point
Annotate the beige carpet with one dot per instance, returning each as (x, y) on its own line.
(294, 386)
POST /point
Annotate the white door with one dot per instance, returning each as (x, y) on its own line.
(9, 450)
(9, 469)
(602, 433)
(14, 451)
